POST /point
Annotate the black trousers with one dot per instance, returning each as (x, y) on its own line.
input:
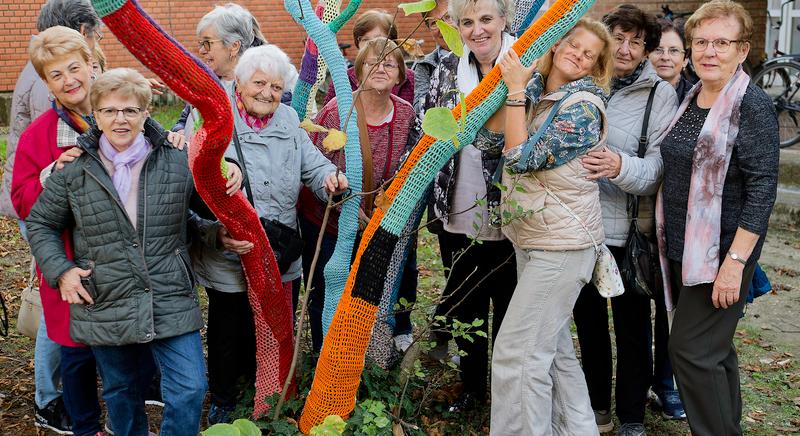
(471, 285)
(704, 357)
(631, 315)
(231, 341)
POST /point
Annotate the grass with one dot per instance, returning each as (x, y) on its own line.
(3, 144)
(166, 115)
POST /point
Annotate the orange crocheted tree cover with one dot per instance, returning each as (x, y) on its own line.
(194, 82)
(341, 362)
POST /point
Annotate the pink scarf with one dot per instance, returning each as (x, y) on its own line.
(710, 161)
(123, 161)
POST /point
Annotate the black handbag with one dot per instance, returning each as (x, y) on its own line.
(286, 242)
(640, 267)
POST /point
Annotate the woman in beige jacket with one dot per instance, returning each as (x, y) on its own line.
(552, 214)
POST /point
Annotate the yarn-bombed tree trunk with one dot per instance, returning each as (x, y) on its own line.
(194, 82)
(341, 362)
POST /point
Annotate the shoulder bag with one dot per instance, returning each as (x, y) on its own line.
(30, 308)
(640, 266)
(286, 242)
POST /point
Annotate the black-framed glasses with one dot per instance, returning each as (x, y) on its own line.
(98, 35)
(672, 51)
(110, 113)
(206, 44)
(721, 45)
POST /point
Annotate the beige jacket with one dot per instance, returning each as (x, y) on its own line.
(539, 221)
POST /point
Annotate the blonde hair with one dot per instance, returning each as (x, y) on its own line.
(54, 43)
(100, 57)
(377, 47)
(719, 9)
(603, 69)
(125, 81)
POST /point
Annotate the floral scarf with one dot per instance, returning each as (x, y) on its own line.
(73, 119)
(255, 123)
(710, 161)
(623, 82)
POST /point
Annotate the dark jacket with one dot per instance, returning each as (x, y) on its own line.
(141, 283)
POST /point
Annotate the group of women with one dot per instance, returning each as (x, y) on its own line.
(603, 117)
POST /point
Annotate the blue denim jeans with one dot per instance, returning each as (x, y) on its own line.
(80, 389)
(183, 384)
(46, 371)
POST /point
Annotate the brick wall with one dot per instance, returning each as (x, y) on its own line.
(179, 18)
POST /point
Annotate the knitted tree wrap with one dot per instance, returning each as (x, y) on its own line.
(194, 82)
(340, 364)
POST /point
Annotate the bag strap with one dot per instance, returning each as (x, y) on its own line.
(366, 155)
(527, 149)
(569, 210)
(634, 199)
(245, 177)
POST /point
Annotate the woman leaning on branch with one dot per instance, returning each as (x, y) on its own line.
(720, 182)
(622, 174)
(537, 384)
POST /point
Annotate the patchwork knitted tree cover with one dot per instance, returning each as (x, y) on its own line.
(341, 362)
(188, 77)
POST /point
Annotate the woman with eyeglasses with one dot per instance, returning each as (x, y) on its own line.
(671, 57)
(720, 182)
(392, 129)
(127, 279)
(622, 174)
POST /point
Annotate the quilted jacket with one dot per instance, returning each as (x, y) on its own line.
(141, 283)
(625, 114)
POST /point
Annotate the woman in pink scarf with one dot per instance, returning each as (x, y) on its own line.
(720, 179)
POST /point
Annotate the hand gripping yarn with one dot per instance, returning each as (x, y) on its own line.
(341, 362)
(194, 82)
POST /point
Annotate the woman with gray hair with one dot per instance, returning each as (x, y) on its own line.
(463, 195)
(223, 36)
(277, 158)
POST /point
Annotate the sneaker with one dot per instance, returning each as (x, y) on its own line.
(631, 429)
(670, 404)
(53, 417)
(152, 396)
(466, 401)
(107, 427)
(219, 414)
(603, 420)
(403, 342)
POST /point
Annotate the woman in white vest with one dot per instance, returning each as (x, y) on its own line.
(552, 214)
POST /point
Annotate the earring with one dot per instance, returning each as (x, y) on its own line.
(51, 97)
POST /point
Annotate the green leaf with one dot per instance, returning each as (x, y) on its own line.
(222, 430)
(382, 421)
(440, 123)
(477, 323)
(333, 425)
(246, 427)
(451, 37)
(417, 7)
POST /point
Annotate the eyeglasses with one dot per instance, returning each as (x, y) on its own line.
(431, 21)
(634, 43)
(98, 35)
(206, 44)
(720, 45)
(672, 51)
(387, 65)
(130, 113)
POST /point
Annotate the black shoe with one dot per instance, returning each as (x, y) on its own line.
(466, 401)
(152, 395)
(53, 417)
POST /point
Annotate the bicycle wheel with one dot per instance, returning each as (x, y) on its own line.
(781, 82)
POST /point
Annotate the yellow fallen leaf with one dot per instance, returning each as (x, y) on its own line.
(335, 140)
(381, 201)
(310, 127)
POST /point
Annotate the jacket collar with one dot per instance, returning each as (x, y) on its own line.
(647, 79)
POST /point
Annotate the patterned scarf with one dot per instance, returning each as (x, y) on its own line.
(710, 161)
(73, 119)
(255, 123)
(622, 82)
(123, 161)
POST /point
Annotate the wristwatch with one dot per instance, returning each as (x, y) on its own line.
(737, 258)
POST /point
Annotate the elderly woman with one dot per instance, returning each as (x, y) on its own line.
(463, 194)
(31, 99)
(623, 173)
(278, 158)
(720, 181)
(223, 36)
(392, 128)
(671, 57)
(534, 364)
(370, 25)
(129, 286)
